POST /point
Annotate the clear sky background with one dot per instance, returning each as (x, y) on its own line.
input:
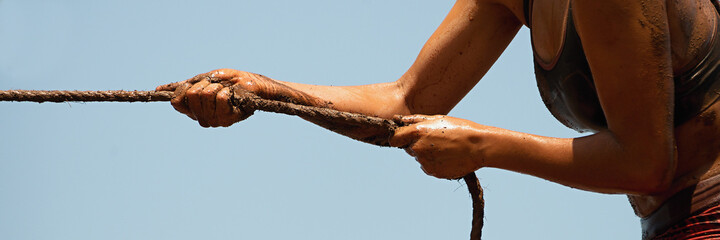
(143, 171)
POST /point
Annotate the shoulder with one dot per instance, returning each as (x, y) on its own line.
(515, 6)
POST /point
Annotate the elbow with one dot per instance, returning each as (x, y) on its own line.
(398, 99)
(651, 185)
(409, 97)
(654, 177)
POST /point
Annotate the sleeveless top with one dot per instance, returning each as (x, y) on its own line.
(568, 89)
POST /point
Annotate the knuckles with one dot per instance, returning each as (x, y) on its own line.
(193, 92)
(201, 97)
(422, 149)
(223, 97)
(177, 101)
(208, 92)
(223, 73)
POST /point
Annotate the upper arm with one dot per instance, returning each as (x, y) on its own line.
(627, 44)
(457, 55)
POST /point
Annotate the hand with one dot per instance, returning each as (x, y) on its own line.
(206, 97)
(445, 147)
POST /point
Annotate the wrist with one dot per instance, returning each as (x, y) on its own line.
(487, 143)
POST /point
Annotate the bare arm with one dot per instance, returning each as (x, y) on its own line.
(457, 55)
(627, 45)
(628, 48)
(453, 60)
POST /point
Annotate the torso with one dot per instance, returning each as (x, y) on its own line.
(692, 25)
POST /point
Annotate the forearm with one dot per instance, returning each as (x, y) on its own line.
(452, 61)
(596, 163)
(379, 100)
(383, 100)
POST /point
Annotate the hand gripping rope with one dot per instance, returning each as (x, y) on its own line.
(250, 102)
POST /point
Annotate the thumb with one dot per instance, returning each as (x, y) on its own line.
(169, 86)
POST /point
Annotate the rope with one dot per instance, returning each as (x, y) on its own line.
(478, 203)
(84, 96)
(249, 102)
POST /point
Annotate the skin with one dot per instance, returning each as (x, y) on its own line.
(631, 46)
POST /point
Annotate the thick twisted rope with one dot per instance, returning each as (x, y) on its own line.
(249, 102)
(84, 96)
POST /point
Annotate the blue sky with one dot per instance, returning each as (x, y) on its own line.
(143, 171)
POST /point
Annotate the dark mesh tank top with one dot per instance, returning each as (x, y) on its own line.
(568, 90)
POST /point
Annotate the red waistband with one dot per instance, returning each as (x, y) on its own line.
(702, 225)
(683, 205)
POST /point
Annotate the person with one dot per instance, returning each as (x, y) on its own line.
(641, 76)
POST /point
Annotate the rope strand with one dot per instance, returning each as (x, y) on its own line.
(85, 96)
(249, 101)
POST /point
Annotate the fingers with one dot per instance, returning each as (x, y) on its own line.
(404, 137)
(179, 103)
(410, 152)
(427, 163)
(411, 139)
(200, 77)
(175, 85)
(169, 86)
(208, 103)
(426, 171)
(440, 155)
(208, 98)
(221, 74)
(224, 76)
(226, 113)
(194, 101)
